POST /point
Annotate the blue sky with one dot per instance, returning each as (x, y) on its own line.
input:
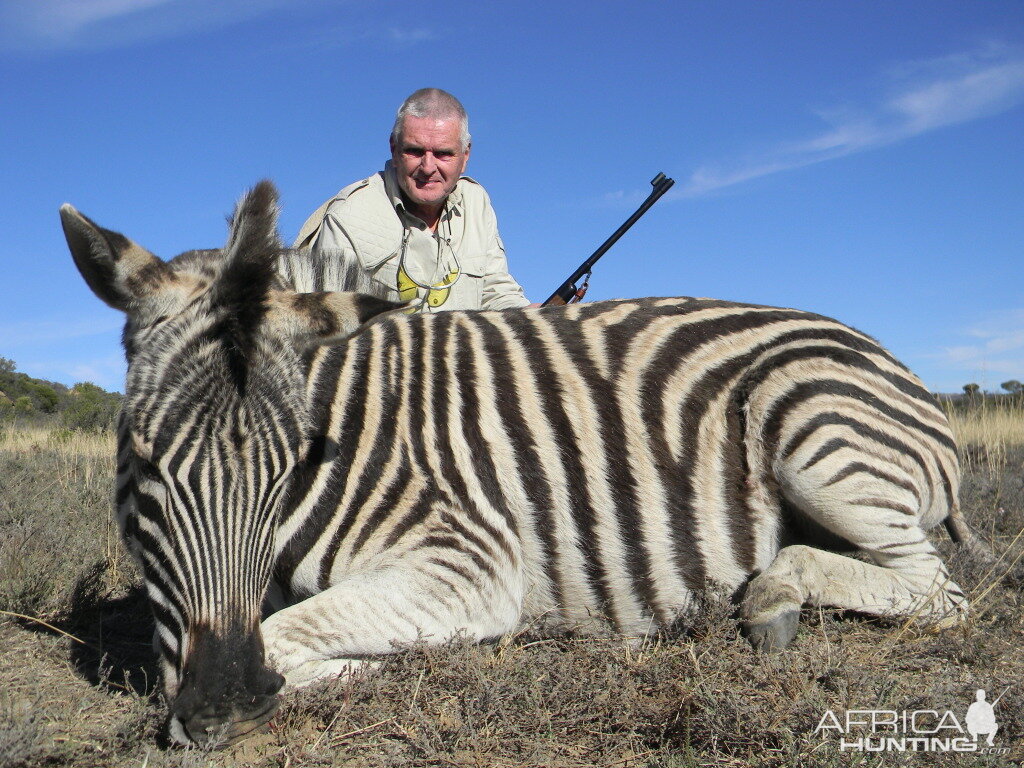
(863, 160)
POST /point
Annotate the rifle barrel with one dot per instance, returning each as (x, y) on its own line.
(567, 290)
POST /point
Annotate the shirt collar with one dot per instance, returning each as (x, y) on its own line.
(452, 206)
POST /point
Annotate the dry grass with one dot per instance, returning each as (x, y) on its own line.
(80, 689)
(67, 443)
(987, 433)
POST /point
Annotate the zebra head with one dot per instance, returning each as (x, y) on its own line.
(213, 421)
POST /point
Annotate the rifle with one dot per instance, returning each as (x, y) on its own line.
(567, 292)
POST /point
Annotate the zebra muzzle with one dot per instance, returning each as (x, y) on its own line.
(227, 691)
(214, 726)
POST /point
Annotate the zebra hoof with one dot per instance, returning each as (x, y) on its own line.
(772, 634)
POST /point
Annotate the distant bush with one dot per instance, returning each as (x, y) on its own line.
(90, 408)
(44, 397)
(83, 407)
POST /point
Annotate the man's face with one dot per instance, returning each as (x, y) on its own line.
(429, 160)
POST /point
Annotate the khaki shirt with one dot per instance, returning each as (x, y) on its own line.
(461, 266)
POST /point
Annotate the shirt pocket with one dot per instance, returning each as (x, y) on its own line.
(470, 291)
(475, 265)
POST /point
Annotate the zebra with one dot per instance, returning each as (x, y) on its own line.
(309, 477)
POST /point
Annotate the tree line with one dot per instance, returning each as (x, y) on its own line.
(84, 406)
(1011, 387)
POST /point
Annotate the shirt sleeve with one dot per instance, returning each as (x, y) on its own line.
(500, 290)
(331, 238)
(334, 258)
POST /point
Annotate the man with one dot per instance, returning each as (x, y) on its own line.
(419, 226)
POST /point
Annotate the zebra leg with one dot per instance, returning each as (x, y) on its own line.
(879, 515)
(913, 586)
(433, 599)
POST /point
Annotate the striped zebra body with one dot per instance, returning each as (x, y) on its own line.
(396, 477)
(611, 460)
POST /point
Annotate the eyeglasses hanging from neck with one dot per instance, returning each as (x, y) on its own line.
(447, 264)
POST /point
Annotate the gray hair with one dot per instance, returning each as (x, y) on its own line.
(435, 103)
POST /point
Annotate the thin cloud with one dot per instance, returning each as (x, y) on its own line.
(997, 347)
(921, 97)
(107, 371)
(14, 335)
(337, 36)
(411, 36)
(49, 25)
(61, 18)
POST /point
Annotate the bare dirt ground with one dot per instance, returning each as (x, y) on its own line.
(78, 684)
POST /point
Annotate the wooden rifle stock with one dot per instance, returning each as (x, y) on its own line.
(567, 292)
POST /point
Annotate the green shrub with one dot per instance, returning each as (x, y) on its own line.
(44, 397)
(60, 436)
(90, 408)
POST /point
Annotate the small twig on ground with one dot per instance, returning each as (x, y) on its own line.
(416, 690)
(326, 730)
(50, 626)
(356, 732)
(1010, 567)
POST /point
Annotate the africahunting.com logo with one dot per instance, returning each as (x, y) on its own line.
(919, 730)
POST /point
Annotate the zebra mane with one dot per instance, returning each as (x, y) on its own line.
(305, 271)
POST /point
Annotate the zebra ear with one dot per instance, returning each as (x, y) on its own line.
(322, 318)
(250, 259)
(117, 270)
(252, 232)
